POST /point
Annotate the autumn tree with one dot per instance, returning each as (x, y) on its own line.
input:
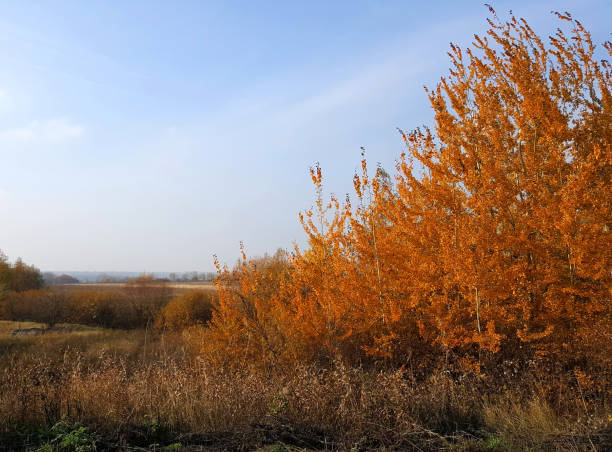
(246, 326)
(514, 201)
(5, 269)
(491, 242)
(19, 276)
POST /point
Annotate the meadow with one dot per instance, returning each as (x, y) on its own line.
(90, 388)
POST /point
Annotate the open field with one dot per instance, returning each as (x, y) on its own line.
(114, 286)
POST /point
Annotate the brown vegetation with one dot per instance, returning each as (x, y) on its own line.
(134, 306)
(137, 391)
(187, 310)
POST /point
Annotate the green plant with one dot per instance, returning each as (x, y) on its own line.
(279, 405)
(496, 443)
(45, 448)
(156, 429)
(70, 438)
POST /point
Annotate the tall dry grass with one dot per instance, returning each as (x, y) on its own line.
(138, 388)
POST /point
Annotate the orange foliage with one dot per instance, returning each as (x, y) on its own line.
(190, 309)
(492, 241)
(247, 321)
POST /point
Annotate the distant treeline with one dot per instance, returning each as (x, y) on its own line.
(142, 302)
(168, 277)
(73, 277)
(19, 277)
(53, 279)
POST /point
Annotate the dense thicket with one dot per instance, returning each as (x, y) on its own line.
(135, 306)
(490, 243)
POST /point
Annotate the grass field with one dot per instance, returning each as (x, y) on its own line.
(140, 389)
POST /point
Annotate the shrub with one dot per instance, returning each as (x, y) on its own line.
(186, 310)
(490, 244)
(40, 305)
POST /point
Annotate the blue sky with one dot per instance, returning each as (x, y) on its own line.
(150, 135)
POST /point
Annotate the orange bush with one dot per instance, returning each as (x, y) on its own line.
(189, 309)
(247, 323)
(491, 242)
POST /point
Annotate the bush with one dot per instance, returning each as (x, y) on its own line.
(490, 243)
(40, 305)
(186, 310)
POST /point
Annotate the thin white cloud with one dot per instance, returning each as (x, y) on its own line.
(369, 86)
(48, 131)
(257, 116)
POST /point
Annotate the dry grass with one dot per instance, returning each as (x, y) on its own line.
(136, 388)
(8, 326)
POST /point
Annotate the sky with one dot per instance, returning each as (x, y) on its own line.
(151, 135)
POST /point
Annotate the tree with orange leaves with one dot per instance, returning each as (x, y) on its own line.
(245, 326)
(515, 197)
(492, 239)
